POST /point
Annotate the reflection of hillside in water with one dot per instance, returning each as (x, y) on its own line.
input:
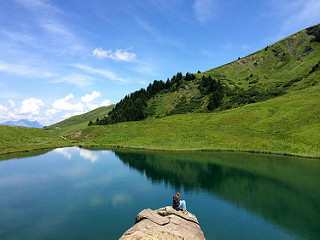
(281, 189)
(18, 155)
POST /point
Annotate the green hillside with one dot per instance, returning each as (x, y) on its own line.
(288, 124)
(266, 102)
(75, 123)
(16, 139)
(288, 65)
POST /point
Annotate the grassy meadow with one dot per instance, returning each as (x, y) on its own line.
(289, 124)
(286, 73)
(19, 139)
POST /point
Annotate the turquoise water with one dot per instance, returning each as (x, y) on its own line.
(73, 193)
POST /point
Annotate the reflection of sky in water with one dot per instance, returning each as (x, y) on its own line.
(53, 197)
(64, 151)
(84, 153)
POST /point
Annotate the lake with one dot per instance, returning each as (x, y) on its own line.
(75, 193)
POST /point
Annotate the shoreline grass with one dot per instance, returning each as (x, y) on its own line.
(287, 125)
(22, 139)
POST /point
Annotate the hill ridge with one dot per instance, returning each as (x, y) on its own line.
(287, 65)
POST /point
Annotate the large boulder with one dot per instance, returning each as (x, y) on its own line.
(164, 223)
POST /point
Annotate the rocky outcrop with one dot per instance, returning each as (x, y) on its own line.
(164, 223)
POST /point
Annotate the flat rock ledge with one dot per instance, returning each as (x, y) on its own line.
(164, 223)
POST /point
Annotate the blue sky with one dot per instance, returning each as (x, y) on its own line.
(59, 58)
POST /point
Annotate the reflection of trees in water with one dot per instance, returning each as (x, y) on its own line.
(277, 200)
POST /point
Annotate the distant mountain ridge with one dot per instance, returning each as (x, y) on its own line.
(23, 123)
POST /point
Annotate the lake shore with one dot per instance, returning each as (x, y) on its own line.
(29, 149)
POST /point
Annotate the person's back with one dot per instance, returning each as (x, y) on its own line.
(176, 202)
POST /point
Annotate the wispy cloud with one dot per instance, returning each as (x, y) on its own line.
(50, 28)
(118, 55)
(101, 72)
(306, 13)
(293, 15)
(145, 67)
(24, 70)
(38, 5)
(158, 36)
(77, 79)
(204, 10)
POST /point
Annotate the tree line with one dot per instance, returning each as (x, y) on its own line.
(133, 107)
(214, 88)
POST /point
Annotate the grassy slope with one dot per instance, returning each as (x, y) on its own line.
(16, 139)
(75, 123)
(283, 61)
(287, 124)
(283, 65)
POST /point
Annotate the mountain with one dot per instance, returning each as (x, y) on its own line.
(23, 123)
(267, 102)
(288, 124)
(75, 123)
(285, 66)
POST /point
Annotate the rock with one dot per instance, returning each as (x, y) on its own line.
(164, 223)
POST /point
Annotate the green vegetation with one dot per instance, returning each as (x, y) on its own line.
(287, 124)
(266, 102)
(75, 123)
(288, 65)
(18, 139)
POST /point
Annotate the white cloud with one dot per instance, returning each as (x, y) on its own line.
(90, 97)
(118, 55)
(31, 106)
(3, 110)
(204, 10)
(106, 102)
(29, 109)
(11, 102)
(85, 104)
(63, 104)
(67, 115)
(104, 73)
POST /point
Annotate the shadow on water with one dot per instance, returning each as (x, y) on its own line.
(283, 190)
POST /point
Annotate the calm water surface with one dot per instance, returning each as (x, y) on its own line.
(72, 193)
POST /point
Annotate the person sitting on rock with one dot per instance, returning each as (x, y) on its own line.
(179, 205)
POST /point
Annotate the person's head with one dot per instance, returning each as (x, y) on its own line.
(178, 194)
